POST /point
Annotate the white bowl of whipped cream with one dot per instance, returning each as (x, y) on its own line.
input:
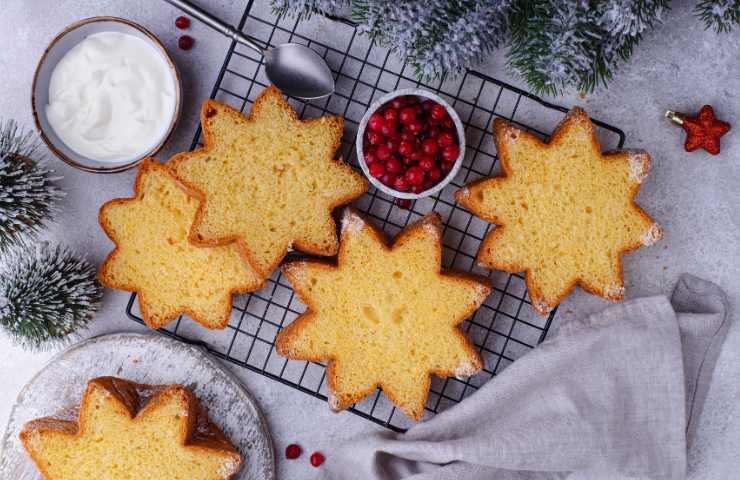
(106, 95)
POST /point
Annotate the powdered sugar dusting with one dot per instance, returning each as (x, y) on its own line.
(151, 359)
(352, 222)
(333, 401)
(431, 230)
(228, 468)
(652, 235)
(638, 163)
(541, 307)
(614, 292)
(465, 369)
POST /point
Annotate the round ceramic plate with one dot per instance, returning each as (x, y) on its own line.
(149, 359)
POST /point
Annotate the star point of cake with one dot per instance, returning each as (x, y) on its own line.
(384, 315)
(125, 430)
(154, 257)
(564, 211)
(269, 180)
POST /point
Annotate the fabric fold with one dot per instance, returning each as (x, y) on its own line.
(610, 396)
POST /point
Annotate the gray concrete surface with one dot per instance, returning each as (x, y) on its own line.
(694, 196)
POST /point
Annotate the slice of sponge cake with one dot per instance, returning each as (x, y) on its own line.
(128, 431)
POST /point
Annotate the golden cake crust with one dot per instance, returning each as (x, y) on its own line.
(634, 167)
(250, 280)
(291, 341)
(137, 402)
(325, 241)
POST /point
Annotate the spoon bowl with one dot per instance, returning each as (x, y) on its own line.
(299, 71)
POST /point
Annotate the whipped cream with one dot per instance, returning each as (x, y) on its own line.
(112, 97)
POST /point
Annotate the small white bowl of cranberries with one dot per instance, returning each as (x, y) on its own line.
(410, 143)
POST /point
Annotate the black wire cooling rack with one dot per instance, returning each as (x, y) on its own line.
(504, 328)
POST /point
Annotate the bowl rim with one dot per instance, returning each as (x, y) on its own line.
(175, 115)
(418, 92)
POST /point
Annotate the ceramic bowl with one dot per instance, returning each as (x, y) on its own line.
(65, 41)
(417, 92)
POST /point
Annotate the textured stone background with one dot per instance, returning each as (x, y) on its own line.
(694, 196)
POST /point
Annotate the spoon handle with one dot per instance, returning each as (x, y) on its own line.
(215, 23)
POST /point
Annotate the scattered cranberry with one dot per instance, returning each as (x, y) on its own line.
(375, 122)
(438, 113)
(377, 169)
(293, 451)
(317, 459)
(186, 42)
(403, 203)
(182, 22)
(446, 139)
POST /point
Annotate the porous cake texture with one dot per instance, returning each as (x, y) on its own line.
(384, 315)
(565, 212)
(154, 257)
(269, 181)
(126, 431)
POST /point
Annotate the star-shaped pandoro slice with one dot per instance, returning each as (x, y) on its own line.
(154, 257)
(565, 212)
(125, 430)
(384, 315)
(269, 181)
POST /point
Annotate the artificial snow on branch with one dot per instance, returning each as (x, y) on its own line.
(720, 15)
(28, 190)
(46, 293)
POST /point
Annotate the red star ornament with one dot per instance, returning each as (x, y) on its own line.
(704, 131)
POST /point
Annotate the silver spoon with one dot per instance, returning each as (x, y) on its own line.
(295, 69)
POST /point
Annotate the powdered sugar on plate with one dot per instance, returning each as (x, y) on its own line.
(149, 359)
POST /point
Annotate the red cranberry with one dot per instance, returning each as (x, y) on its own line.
(393, 165)
(448, 123)
(447, 167)
(427, 163)
(403, 203)
(429, 147)
(406, 148)
(428, 183)
(408, 137)
(450, 153)
(434, 174)
(407, 115)
(383, 152)
(393, 144)
(388, 179)
(438, 112)
(182, 22)
(408, 161)
(186, 42)
(317, 459)
(434, 132)
(414, 176)
(415, 127)
(293, 451)
(390, 115)
(416, 155)
(398, 103)
(377, 169)
(427, 105)
(370, 156)
(389, 130)
(401, 184)
(410, 100)
(375, 122)
(374, 138)
(417, 189)
(446, 139)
